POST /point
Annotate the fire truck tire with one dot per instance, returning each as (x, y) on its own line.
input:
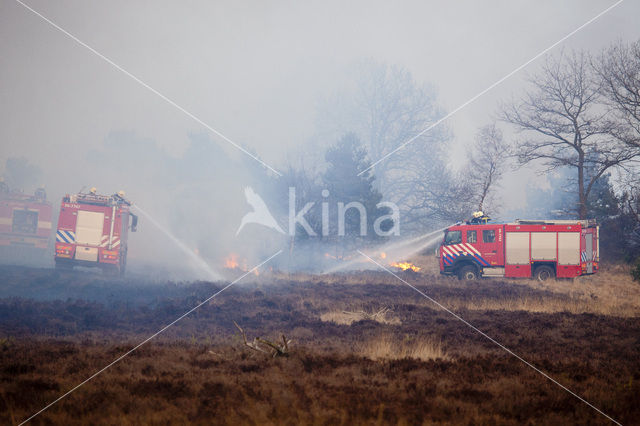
(543, 273)
(468, 273)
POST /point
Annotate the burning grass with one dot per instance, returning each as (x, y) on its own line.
(404, 266)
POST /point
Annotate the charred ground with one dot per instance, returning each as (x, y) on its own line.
(59, 328)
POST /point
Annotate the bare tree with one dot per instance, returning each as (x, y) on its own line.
(21, 175)
(619, 70)
(385, 107)
(397, 109)
(565, 124)
(487, 162)
(437, 195)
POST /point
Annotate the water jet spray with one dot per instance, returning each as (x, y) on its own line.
(409, 246)
(197, 259)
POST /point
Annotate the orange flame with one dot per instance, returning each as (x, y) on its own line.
(231, 262)
(383, 255)
(405, 266)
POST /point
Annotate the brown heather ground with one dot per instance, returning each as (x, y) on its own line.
(366, 349)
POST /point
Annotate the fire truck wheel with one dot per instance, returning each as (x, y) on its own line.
(468, 273)
(544, 273)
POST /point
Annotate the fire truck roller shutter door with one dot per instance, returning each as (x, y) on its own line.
(568, 248)
(543, 245)
(517, 248)
(89, 228)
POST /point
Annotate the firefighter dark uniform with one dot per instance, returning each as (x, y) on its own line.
(40, 194)
(479, 218)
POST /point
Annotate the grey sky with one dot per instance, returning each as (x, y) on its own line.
(255, 70)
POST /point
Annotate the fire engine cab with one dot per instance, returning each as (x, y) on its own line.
(93, 231)
(25, 225)
(541, 249)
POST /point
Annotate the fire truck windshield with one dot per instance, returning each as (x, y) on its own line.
(452, 237)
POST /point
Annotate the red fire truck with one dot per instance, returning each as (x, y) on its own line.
(541, 249)
(25, 225)
(93, 231)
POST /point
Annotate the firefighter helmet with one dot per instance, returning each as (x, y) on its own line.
(93, 190)
(121, 194)
(478, 214)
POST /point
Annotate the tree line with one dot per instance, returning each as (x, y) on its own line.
(577, 120)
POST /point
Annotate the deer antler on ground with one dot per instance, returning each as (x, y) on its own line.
(265, 346)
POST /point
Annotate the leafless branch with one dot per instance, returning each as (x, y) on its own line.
(566, 123)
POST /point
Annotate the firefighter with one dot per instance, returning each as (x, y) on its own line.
(479, 218)
(119, 196)
(40, 193)
(4, 188)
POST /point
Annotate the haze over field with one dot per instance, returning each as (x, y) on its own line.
(282, 80)
(288, 169)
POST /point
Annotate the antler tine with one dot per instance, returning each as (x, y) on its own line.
(268, 343)
(253, 345)
(244, 336)
(256, 345)
(259, 344)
